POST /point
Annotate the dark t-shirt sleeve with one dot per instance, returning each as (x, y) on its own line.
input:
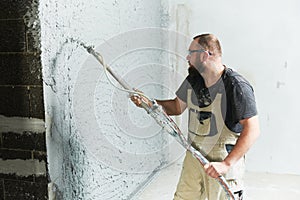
(244, 101)
(181, 93)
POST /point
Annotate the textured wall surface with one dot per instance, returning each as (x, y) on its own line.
(99, 145)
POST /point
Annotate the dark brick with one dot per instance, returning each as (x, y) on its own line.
(20, 69)
(25, 141)
(14, 101)
(32, 45)
(39, 155)
(22, 190)
(41, 179)
(15, 177)
(15, 154)
(31, 178)
(14, 8)
(12, 35)
(1, 189)
(37, 103)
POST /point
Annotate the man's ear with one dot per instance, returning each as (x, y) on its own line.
(205, 55)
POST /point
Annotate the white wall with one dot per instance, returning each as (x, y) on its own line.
(260, 40)
(99, 145)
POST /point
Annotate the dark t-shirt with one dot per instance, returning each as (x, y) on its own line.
(238, 101)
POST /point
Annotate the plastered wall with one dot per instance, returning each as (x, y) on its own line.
(97, 141)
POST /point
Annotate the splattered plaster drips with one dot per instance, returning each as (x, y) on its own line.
(32, 21)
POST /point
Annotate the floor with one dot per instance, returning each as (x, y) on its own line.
(259, 186)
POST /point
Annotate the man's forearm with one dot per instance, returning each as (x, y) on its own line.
(248, 136)
(170, 106)
(173, 107)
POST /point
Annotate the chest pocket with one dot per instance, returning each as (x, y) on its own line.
(202, 121)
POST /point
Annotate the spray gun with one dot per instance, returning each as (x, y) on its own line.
(160, 116)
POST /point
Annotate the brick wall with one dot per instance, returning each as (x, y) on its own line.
(23, 168)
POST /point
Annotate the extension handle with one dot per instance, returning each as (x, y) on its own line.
(121, 81)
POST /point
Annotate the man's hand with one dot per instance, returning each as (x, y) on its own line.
(216, 169)
(138, 99)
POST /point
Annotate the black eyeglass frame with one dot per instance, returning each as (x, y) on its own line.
(198, 50)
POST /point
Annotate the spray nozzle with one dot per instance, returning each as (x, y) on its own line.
(90, 49)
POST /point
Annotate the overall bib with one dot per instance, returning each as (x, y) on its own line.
(208, 134)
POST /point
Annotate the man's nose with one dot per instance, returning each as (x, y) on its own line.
(188, 57)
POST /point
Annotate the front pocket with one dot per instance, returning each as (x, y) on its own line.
(199, 122)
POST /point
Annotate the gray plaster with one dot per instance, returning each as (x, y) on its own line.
(21, 125)
(23, 167)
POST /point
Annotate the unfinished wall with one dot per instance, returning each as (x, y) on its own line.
(23, 161)
(99, 145)
(260, 40)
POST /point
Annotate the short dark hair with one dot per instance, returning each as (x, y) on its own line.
(210, 43)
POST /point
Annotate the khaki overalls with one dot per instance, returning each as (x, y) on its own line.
(211, 137)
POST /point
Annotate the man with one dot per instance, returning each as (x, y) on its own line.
(223, 122)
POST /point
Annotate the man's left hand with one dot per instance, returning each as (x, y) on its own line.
(216, 169)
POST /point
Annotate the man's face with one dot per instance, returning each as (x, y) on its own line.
(194, 56)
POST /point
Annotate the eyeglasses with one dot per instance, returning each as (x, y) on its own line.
(198, 50)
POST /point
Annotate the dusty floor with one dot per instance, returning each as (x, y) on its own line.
(259, 186)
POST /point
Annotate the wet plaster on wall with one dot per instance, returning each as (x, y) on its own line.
(32, 21)
(75, 171)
